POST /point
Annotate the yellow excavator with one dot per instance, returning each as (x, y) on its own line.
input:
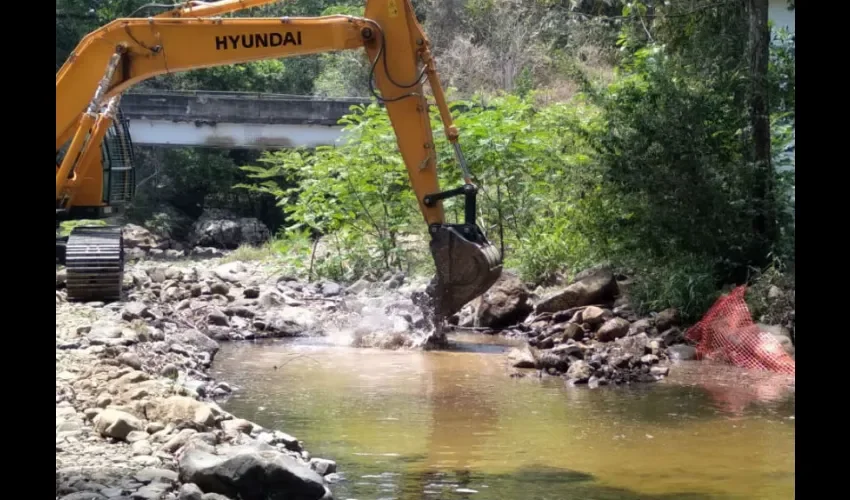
(94, 160)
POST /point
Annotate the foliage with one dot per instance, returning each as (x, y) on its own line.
(65, 227)
(599, 131)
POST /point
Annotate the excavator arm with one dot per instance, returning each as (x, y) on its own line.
(127, 51)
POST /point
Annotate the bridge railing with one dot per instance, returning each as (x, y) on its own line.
(227, 94)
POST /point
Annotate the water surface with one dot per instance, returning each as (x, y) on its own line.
(452, 425)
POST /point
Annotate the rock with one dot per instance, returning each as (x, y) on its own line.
(775, 330)
(135, 436)
(177, 441)
(237, 425)
(322, 466)
(142, 447)
(673, 336)
(682, 352)
(197, 340)
(359, 285)
(573, 331)
(154, 475)
(83, 495)
(249, 474)
(667, 318)
(61, 278)
(138, 237)
(640, 326)
(613, 329)
(786, 343)
(331, 289)
(130, 359)
(182, 410)
(190, 491)
(579, 372)
(221, 229)
(216, 317)
(599, 287)
(169, 371)
(214, 496)
(220, 288)
(522, 357)
(116, 424)
(153, 491)
(774, 292)
(659, 371)
(251, 292)
(595, 316)
(134, 310)
(504, 304)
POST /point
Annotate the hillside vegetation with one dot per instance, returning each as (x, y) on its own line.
(654, 136)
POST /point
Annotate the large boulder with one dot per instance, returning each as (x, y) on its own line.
(504, 304)
(221, 229)
(250, 473)
(138, 237)
(597, 287)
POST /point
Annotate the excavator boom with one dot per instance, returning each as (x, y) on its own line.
(127, 51)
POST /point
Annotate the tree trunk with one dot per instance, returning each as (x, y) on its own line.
(765, 224)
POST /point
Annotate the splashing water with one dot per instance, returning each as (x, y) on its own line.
(385, 319)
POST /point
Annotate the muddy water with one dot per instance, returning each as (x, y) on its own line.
(451, 425)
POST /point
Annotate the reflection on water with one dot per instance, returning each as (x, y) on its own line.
(450, 425)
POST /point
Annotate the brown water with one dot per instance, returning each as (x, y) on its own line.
(451, 425)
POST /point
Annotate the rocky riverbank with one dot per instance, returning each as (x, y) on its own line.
(136, 413)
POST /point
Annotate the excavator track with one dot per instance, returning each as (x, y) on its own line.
(94, 261)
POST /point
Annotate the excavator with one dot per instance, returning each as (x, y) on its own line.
(94, 159)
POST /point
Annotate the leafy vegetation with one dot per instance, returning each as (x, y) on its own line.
(599, 132)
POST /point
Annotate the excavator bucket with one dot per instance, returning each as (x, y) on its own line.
(467, 266)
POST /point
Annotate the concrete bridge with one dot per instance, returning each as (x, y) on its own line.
(233, 119)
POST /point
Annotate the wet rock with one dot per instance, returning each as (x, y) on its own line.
(195, 339)
(551, 361)
(579, 372)
(614, 328)
(504, 304)
(220, 288)
(667, 318)
(659, 371)
(682, 352)
(522, 357)
(249, 474)
(599, 287)
(323, 466)
(116, 424)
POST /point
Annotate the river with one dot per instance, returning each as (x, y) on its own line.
(453, 424)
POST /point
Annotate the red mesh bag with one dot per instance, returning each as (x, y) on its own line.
(727, 334)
